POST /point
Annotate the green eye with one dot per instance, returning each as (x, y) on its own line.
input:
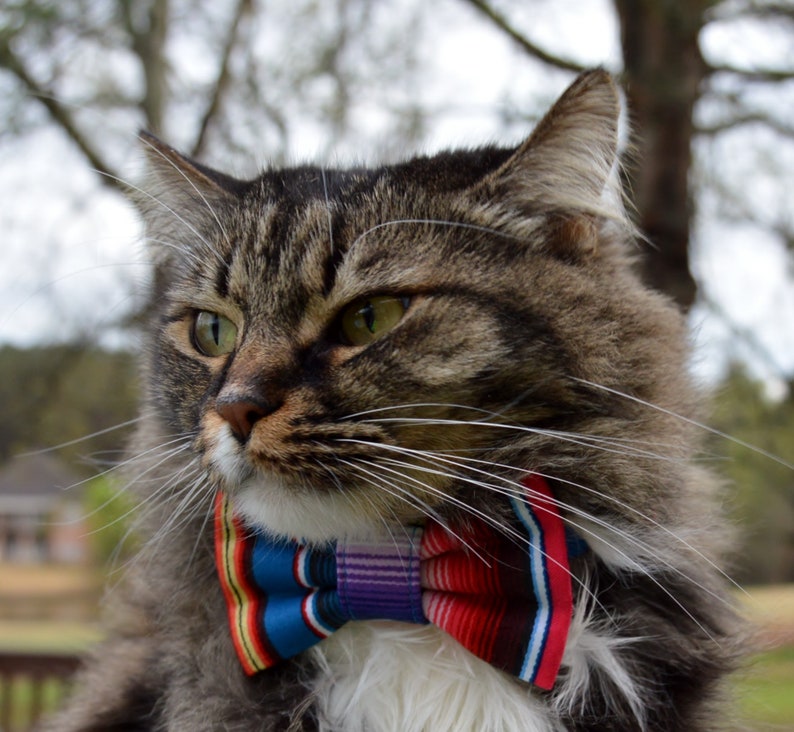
(213, 335)
(369, 318)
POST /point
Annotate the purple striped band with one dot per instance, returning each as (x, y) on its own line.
(381, 580)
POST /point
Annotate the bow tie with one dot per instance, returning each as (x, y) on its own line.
(504, 595)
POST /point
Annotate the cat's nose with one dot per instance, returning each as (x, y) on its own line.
(242, 413)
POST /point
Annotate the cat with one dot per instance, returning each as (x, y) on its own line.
(344, 354)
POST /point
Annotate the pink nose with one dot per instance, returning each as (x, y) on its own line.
(242, 414)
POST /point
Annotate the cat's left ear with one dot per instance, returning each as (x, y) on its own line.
(175, 185)
(568, 165)
(167, 165)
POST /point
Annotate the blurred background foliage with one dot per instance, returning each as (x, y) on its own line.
(110, 514)
(54, 395)
(763, 495)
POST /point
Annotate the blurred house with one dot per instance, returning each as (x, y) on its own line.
(41, 514)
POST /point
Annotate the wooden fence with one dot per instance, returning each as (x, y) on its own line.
(32, 684)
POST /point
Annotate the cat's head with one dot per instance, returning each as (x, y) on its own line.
(348, 348)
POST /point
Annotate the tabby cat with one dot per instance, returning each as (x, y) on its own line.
(338, 357)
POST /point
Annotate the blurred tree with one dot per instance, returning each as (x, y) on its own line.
(240, 76)
(80, 400)
(764, 487)
(236, 82)
(666, 76)
(64, 395)
(209, 77)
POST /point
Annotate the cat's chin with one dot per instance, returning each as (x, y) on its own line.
(289, 508)
(313, 516)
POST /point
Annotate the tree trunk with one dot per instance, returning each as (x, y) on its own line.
(664, 74)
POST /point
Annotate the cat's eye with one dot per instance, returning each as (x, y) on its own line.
(213, 334)
(369, 318)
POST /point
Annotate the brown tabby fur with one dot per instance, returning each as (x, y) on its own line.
(525, 312)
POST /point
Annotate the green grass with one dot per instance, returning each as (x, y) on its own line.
(766, 691)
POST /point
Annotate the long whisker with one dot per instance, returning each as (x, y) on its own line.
(36, 292)
(163, 488)
(192, 184)
(450, 499)
(512, 489)
(180, 249)
(141, 510)
(394, 489)
(114, 468)
(506, 530)
(378, 482)
(77, 440)
(180, 516)
(432, 222)
(328, 210)
(171, 211)
(615, 440)
(465, 463)
(687, 420)
(420, 405)
(576, 439)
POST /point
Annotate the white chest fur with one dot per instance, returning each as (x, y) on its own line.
(392, 677)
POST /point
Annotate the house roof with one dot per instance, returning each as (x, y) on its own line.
(36, 476)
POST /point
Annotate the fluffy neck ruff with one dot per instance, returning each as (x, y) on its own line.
(378, 676)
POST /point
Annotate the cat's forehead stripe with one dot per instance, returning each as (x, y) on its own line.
(336, 251)
(222, 278)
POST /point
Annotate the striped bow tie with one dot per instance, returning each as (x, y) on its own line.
(507, 599)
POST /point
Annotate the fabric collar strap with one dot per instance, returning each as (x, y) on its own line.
(504, 595)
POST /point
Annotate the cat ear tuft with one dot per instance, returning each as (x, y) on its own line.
(169, 169)
(180, 196)
(569, 162)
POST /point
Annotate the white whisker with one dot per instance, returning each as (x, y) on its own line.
(576, 439)
(190, 182)
(450, 499)
(328, 211)
(397, 491)
(513, 489)
(465, 463)
(171, 211)
(433, 222)
(687, 420)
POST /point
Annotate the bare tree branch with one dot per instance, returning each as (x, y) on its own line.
(60, 115)
(767, 13)
(224, 76)
(530, 48)
(764, 75)
(754, 9)
(747, 335)
(748, 118)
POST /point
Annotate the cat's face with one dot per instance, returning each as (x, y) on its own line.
(350, 349)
